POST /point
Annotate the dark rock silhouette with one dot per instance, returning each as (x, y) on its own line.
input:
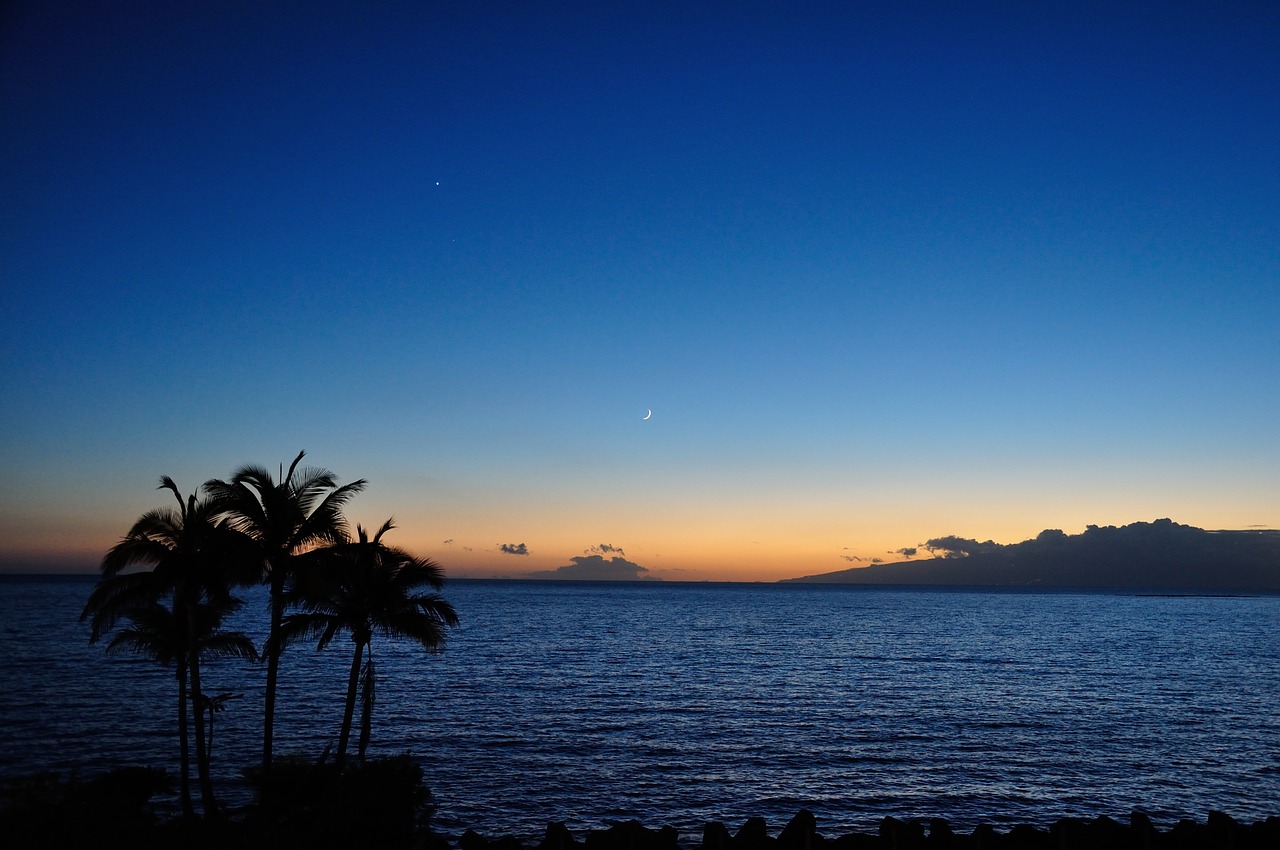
(940, 831)
(716, 837)
(472, 840)
(631, 835)
(801, 833)
(1142, 829)
(754, 835)
(1218, 832)
(1028, 836)
(383, 807)
(558, 837)
(983, 836)
(1159, 555)
(901, 835)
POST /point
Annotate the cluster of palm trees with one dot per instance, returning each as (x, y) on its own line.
(167, 589)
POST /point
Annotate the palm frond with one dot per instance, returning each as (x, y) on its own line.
(167, 483)
(240, 503)
(436, 607)
(229, 645)
(114, 597)
(416, 572)
(258, 477)
(325, 523)
(138, 642)
(321, 627)
(155, 632)
(133, 552)
(294, 465)
(425, 626)
(386, 526)
(307, 485)
(300, 626)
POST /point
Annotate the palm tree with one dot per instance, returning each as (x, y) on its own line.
(366, 587)
(217, 704)
(167, 645)
(172, 636)
(194, 560)
(285, 519)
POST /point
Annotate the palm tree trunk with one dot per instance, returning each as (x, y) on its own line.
(349, 711)
(367, 682)
(184, 745)
(207, 799)
(208, 741)
(272, 651)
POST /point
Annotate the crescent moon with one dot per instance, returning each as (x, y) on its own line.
(647, 415)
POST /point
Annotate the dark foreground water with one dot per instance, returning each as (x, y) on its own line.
(684, 703)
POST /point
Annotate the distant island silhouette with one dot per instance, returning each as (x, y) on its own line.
(1158, 556)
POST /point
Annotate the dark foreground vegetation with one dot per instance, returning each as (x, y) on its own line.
(383, 803)
(378, 803)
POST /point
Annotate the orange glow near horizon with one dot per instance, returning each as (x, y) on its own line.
(731, 542)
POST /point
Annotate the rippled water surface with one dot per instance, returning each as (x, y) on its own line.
(684, 703)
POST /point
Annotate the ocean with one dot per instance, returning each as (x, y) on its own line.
(682, 703)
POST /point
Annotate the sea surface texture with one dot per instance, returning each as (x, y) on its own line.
(680, 704)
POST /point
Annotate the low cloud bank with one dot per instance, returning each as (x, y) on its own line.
(596, 568)
(952, 546)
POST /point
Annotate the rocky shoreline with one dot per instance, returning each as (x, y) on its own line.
(1219, 830)
(384, 804)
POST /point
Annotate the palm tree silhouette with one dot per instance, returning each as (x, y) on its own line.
(195, 559)
(366, 587)
(172, 636)
(216, 704)
(286, 520)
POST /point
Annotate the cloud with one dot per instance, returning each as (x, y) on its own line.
(851, 557)
(513, 548)
(449, 542)
(596, 568)
(905, 551)
(952, 546)
(604, 549)
(877, 560)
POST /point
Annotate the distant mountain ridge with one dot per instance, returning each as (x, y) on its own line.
(1159, 555)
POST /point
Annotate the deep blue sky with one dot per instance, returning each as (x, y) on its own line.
(882, 271)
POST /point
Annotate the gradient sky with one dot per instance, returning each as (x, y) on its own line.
(882, 271)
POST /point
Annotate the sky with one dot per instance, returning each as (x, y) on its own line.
(880, 271)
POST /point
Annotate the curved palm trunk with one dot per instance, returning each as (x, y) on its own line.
(184, 746)
(349, 711)
(272, 651)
